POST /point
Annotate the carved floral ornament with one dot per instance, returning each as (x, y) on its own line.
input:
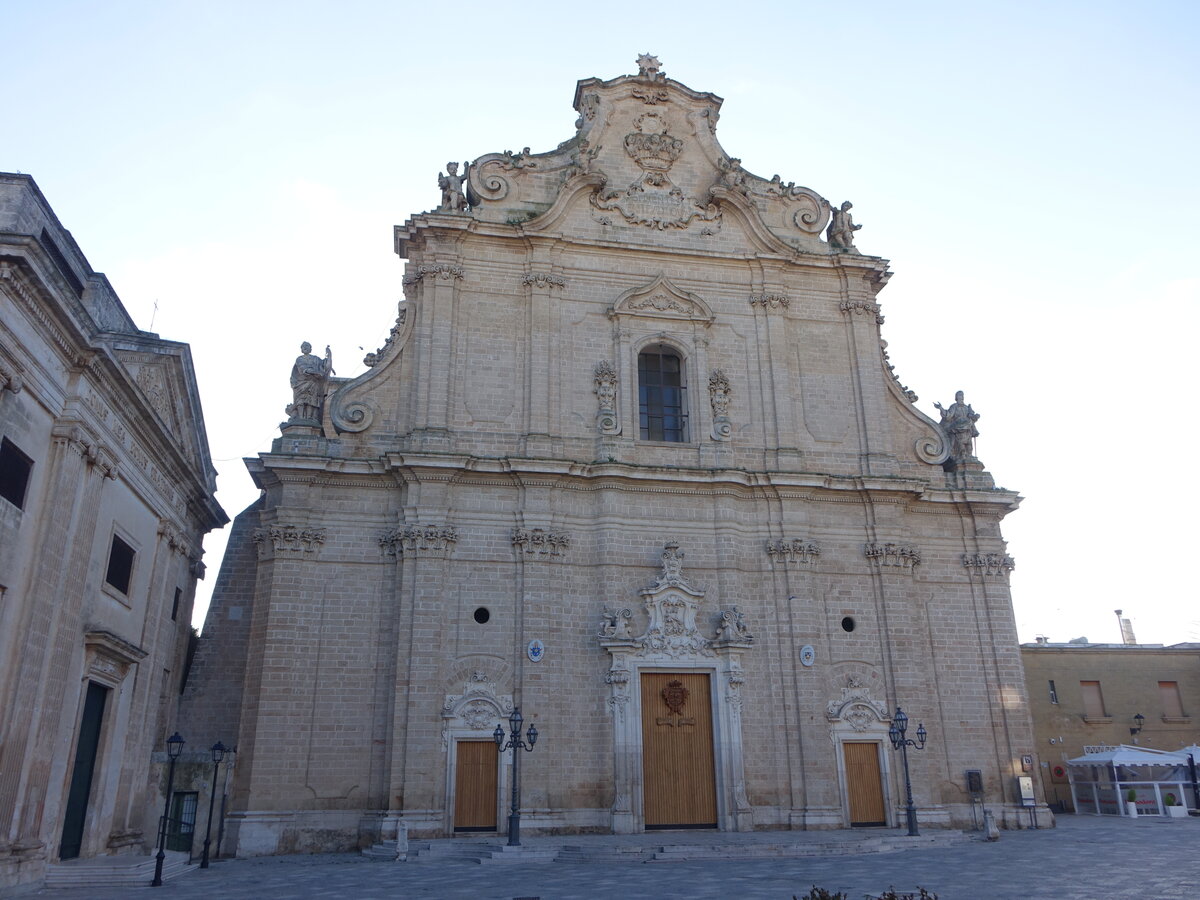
(796, 551)
(662, 299)
(889, 555)
(989, 564)
(479, 706)
(538, 542)
(427, 538)
(442, 271)
(543, 280)
(288, 539)
(856, 707)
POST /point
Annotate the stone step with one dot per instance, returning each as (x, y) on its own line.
(115, 871)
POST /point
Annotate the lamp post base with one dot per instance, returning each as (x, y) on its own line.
(514, 830)
(911, 815)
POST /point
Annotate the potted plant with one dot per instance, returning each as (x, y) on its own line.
(1174, 809)
(1131, 802)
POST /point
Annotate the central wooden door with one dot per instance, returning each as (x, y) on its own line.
(864, 785)
(677, 751)
(475, 786)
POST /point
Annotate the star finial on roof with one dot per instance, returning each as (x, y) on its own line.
(648, 65)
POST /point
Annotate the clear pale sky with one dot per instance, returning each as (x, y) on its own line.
(1029, 168)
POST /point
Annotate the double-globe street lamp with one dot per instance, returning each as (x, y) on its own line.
(515, 743)
(902, 743)
(218, 754)
(174, 748)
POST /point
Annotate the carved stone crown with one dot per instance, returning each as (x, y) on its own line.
(656, 152)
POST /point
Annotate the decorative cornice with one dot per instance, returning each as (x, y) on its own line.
(438, 539)
(858, 307)
(770, 301)
(543, 280)
(537, 541)
(20, 286)
(287, 539)
(899, 556)
(984, 564)
(796, 551)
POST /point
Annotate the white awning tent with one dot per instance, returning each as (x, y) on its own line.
(1103, 782)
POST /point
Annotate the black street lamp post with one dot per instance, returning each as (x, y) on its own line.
(218, 754)
(902, 743)
(174, 748)
(515, 743)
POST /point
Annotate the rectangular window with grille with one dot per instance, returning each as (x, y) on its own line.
(1093, 700)
(662, 396)
(120, 565)
(1053, 693)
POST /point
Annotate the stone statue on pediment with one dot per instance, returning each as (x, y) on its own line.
(841, 228)
(958, 424)
(310, 375)
(454, 194)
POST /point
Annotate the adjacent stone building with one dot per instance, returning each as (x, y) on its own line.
(106, 492)
(633, 460)
(1085, 696)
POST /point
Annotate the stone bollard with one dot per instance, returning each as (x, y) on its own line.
(989, 826)
(402, 841)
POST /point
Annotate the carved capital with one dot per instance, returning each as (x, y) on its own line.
(420, 540)
(284, 540)
(995, 565)
(442, 271)
(896, 556)
(538, 542)
(862, 307)
(544, 280)
(770, 301)
(795, 552)
(11, 374)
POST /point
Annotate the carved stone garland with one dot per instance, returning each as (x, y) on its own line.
(605, 376)
(718, 394)
(672, 639)
(280, 540)
(478, 708)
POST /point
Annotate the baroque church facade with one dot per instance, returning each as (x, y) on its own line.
(106, 493)
(632, 460)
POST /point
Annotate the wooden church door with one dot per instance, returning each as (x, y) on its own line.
(475, 786)
(864, 785)
(679, 782)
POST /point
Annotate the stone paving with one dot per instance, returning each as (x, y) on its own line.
(1085, 858)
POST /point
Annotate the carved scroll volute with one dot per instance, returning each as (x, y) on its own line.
(719, 394)
(605, 377)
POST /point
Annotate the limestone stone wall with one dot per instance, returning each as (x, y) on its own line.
(108, 418)
(484, 489)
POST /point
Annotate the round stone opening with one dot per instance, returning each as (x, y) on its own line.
(482, 615)
(848, 623)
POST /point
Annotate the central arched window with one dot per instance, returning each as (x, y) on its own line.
(662, 395)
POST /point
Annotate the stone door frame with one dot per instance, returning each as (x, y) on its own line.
(672, 641)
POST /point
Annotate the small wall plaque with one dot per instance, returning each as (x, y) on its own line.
(808, 655)
(536, 650)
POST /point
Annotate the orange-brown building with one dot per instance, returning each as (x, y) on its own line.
(1086, 695)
